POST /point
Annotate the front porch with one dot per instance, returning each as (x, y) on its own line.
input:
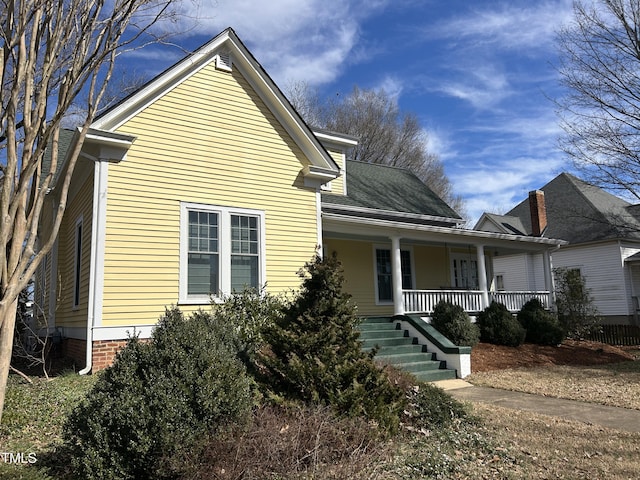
(473, 301)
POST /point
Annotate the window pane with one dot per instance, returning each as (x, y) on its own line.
(244, 272)
(385, 276)
(202, 274)
(244, 235)
(383, 267)
(203, 232)
(405, 261)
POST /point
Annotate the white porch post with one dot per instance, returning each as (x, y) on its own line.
(482, 276)
(396, 276)
(548, 275)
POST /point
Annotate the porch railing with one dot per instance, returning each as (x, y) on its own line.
(424, 301)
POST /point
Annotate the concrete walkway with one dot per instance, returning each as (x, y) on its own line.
(590, 413)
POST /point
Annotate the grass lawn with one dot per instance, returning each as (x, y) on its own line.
(33, 417)
(503, 444)
(614, 384)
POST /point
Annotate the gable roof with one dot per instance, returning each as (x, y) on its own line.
(323, 168)
(500, 224)
(579, 212)
(388, 192)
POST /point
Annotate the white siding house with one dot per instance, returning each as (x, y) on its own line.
(603, 235)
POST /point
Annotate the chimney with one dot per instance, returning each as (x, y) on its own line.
(538, 213)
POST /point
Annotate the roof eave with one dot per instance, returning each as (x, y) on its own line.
(473, 236)
(363, 211)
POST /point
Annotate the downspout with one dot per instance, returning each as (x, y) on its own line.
(94, 307)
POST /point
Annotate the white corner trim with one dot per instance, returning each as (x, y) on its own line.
(98, 234)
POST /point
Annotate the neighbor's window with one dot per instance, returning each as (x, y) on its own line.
(384, 277)
(221, 251)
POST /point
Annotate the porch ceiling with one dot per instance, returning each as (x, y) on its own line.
(356, 228)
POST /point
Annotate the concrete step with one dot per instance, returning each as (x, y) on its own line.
(398, 349)
(388, 342)
(402, 349)
(435, 375)
(415, 367)
(372, 334)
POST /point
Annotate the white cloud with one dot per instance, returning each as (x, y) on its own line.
(308, 40)
(524, 26)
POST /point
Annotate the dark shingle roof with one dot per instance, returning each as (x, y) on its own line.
(579, 212)
(64, 142)
(392, 189)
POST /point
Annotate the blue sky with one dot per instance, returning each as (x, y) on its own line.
(479, 74)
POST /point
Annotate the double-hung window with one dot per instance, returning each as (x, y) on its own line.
(384, 276)
(221, 251)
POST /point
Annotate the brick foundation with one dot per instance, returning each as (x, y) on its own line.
(104, 351)
(76, 350)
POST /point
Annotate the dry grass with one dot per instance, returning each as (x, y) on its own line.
(615, 384)
(545, 447)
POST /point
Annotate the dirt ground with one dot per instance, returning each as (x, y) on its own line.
(486, 357)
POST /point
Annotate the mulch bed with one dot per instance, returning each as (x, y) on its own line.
(486, 357)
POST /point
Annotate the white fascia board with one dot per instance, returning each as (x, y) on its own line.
(336, 139)
(371, 211)
(161, 85)
(459, 234)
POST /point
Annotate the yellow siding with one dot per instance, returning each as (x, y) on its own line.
(337, 185)
(431, 265)
(211, 140)
(357, 260)
(81, 205)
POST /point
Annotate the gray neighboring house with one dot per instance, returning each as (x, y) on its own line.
(603, 235)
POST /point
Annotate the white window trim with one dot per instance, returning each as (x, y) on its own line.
(224, 249)
(77, 265)
(375, 270)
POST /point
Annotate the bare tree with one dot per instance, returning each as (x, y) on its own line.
(600, 114)
(385, 134)
(53, 53)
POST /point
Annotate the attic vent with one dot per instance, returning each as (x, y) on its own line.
(223, 61)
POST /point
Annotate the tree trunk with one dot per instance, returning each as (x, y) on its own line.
(8, 313)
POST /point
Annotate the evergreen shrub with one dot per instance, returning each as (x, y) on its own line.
(499, 326)
(315, 354)
(543, 328)
(454, 323)
(158, 398)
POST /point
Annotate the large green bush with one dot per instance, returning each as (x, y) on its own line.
(249, 313)
(542, 327)
(158, 398)
(577, 311)
(499, 326)
(315, 354)
(454, 323)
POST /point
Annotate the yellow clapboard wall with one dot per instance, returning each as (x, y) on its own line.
(210, 140)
